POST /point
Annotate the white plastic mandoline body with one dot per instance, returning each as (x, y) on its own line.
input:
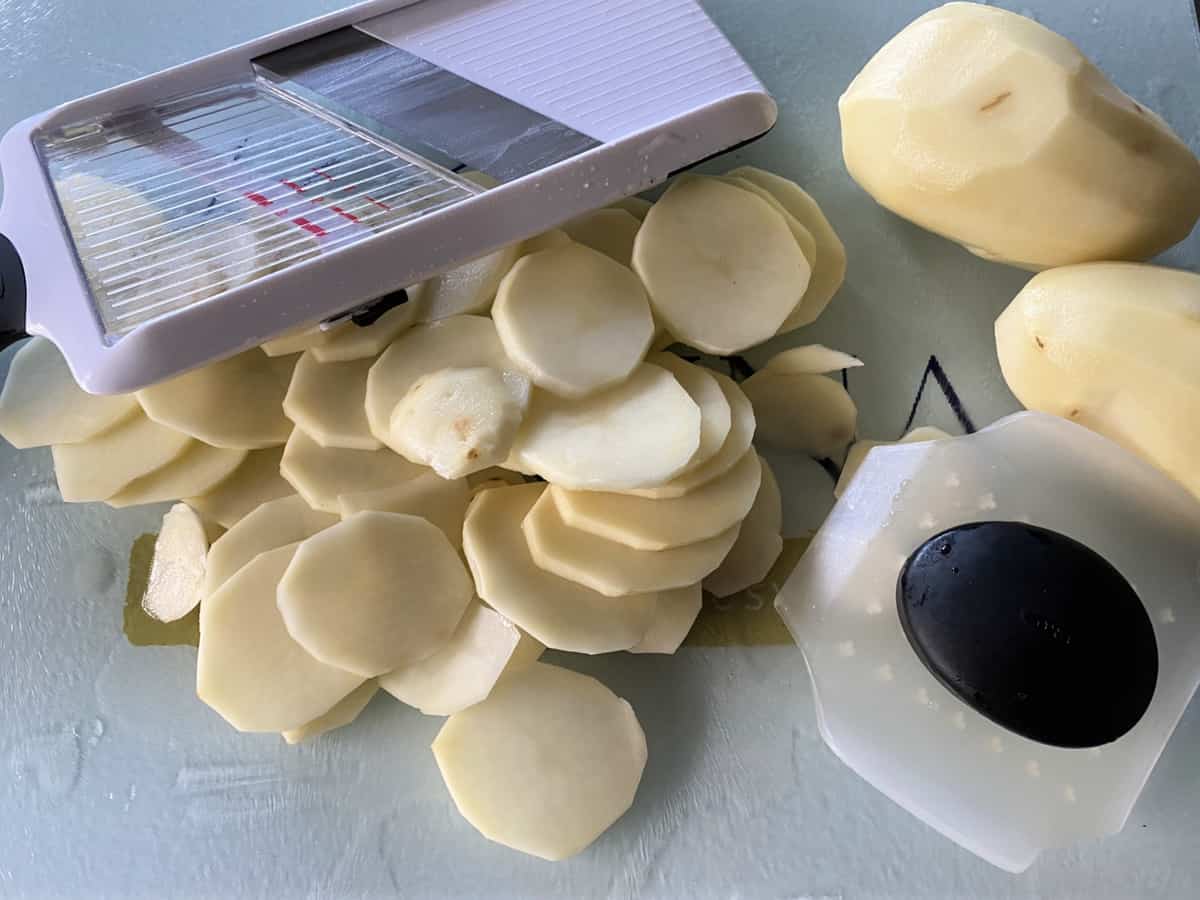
(655, 84)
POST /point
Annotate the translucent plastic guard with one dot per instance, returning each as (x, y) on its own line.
(182, 201)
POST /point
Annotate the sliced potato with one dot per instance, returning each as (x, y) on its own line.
(529, 650)
(572, 319)
(635, 206)
(804, 237)
(613, 569)
(97, 469)
(350, 341)
(194, 471)
(248, 668)
(811, 359)
(235, 403)
(296, 341)
(706, 393)
(461, 342)
(741, 433)
(547, 240)
(251, 484)
(610, 231)
(924, 433)
(721, 266)
(758, 545)
(326, 401)
(467, 290)
(463, 671)
(342, 714)
(429, 496)
(276, 523)
(673, 619)
(810, 414)
(493, 477)
(646, 524)
(322, 474)
(638, 434)
(460, 421)
(561, 614)
(177, 568)
(829, 269)
(374, 592)
(859, 450)
(41, 404)
(546, 763)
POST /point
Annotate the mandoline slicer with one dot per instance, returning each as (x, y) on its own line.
(194, 213)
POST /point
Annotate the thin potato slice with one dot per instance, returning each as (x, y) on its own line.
(493, 477)
(235, 403)
(646, 524)
(810, 414)
(322, 474)
(673, 619)
(635, 206)
(811, 359)
(829, 269)
(276, 523)
(573, 320)
(721, 266)
(253, 483)
(42, 405)
(197, 469)
(741, 433)
(463, 671)
(177, 568)
(460, 421)
(326, 401)
(547, 240)
(804, 237)
(467, 290)
(374, 592)
(561, 614)
(858, 452)
(610, 231)
(638, 434)
(546, 764)
(706, 393)
(249, 669)
(296, 341)
(98, 468)
(350, 341)
(461, 342)
(613, 569)
(429, 496)
(758, 545)
(342, 714)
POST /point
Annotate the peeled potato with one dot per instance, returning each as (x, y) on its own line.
(429, 496)
(610, 231)
(98, 468)
(702, 386)
(255, 481)
(741, 433)
(673, 619)
(461, 342)
(572, 319)
(613, 569)
(463, 671)
(276, 523)
(546, 763)
(758, 545)
(351, 341)
(811, 359)
(1112, 346)
(561, 614)
(177, 569)
(197, 469)
(342, 714)
(374, 592)
(249, 669)
(635, 206)
(989, 129)
(721, 266)
(322, 474)
(235, 403)
(829, 268)
(638, 434)
(41, 404)
(646, 524)
(810, 414)
(459, 421)
(469, 289)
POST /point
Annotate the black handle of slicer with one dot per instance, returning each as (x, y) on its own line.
(12, 294)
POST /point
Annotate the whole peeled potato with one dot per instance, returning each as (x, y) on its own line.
(990, 129)
(1114, 347)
